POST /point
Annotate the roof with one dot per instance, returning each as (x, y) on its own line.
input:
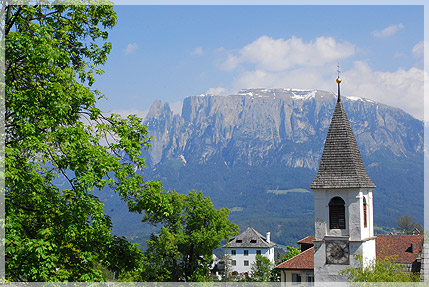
(302, 261)
(341, 164)
(250, 238)
(385, 245)
(399, 245)
(307, 240)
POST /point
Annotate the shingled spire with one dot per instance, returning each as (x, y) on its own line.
(341, 164)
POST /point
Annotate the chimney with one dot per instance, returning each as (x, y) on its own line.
(268, 236)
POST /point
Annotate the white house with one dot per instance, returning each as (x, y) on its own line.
(243, 249)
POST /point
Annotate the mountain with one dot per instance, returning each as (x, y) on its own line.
(258, 151)
(269, 127)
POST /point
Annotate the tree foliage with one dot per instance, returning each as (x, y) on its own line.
(380, 270)
(261, 269)
(183, 251)
(407, 225)
(59, 147)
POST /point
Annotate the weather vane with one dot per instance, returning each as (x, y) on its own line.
(338, 82)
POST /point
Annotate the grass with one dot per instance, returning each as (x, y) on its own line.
(285, 191)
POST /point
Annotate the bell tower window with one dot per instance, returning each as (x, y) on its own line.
(364, 213)
(337, 213)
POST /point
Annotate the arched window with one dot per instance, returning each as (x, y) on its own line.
(337, 213)
(364, 212)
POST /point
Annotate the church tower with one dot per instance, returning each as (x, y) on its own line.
(343, 206)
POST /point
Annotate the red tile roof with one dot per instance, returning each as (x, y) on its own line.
(400, 245)
(304, 260)
(386, 245)
(307, 240)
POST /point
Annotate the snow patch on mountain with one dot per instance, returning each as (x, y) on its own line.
(303, 94)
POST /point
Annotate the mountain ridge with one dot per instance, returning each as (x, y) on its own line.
(271, 119)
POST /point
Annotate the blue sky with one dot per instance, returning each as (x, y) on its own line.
(171, 52)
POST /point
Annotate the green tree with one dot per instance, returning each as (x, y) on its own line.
(184, 248)
(59, 147)
(381, 270)
(291, 252)
(226, 265)
(261, 269)
(407, 225)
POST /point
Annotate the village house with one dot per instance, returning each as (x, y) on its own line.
(242, 250)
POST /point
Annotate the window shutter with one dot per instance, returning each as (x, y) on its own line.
(337, 213)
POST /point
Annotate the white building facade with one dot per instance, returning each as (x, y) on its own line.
(242, 250)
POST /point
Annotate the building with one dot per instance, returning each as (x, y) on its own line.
(343, 207)
(243, 249)
(300, 268)
(343, 210)
(406, 248)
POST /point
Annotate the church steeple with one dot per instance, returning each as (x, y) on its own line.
(341, 164)
(343, 209)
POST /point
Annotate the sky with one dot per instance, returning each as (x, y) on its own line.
(172, 52)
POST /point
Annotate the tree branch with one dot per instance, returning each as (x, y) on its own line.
(10, 19)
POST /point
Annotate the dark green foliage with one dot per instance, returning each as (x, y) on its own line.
(184, 248)
(261, 269)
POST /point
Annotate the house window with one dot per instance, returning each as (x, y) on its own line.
(337, 213)
(364, 213)
(258, 252)
(296, 278)
(233, 262)
(239, 241)
(253, 241)
(233, 252)
(246, 252)
(246, 262)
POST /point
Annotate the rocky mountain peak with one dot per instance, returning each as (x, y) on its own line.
(273, 127)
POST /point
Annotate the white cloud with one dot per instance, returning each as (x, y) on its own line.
(131, 48)
(418, 49)
(281, 54)
(402, 88)
(388, 31)
(217, 91)
(293, 63)
(198, 51)
(230, 63)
